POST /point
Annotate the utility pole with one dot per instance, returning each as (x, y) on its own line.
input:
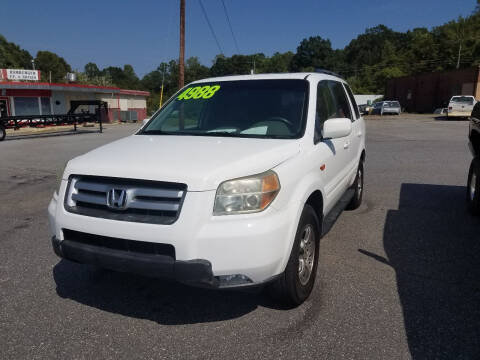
(181, 60)
(458, 57)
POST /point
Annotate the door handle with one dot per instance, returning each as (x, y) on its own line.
(346, 144)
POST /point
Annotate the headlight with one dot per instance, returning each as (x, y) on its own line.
(59, 174)
(246, 195)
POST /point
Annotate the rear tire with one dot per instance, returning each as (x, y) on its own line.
(296, 283)
(358, 186)
(3, 133)
(473, 187)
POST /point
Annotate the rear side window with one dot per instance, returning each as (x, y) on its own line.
(341, 103)
(352, 100)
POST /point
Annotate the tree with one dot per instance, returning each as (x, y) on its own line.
(152, 81)
(423, 49)
(360, 85)
(278, 63)
(314, 52)
(194, 70)
(124, 78)
(48, 62)
(12, 56)
(131, 79)
(91, 70)
(237, 64)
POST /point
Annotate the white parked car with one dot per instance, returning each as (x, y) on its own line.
(231, 184)
(461, 106)
(386, 107)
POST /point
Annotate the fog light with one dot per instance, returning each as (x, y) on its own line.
(233, 280)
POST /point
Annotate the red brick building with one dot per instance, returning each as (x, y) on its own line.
(426, 92)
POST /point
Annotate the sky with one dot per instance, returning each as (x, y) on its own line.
(145, 33)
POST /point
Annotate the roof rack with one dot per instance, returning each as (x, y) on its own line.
(327, 72)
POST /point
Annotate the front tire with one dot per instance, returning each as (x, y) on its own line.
(296, 283)
(473, 187)
(358, 186)
(3, 133)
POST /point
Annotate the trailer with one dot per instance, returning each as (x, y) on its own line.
(70, 118)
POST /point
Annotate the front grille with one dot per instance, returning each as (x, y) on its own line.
(119, 244)
(141, 201)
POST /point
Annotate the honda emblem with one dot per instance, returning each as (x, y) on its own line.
(117, 199)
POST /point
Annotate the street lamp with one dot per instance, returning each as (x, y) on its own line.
(33, 64)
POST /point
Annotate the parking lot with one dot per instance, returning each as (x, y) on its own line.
(398, 278)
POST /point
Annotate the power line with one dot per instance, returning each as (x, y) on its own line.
(230, 26)
(210, 26)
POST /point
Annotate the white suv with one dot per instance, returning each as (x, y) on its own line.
(461, 106)
(232, 183)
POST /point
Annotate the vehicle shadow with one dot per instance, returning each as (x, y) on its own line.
(164, 302)
(434, 246)
(446, 118)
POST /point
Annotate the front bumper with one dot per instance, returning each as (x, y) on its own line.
(255, 247)
(193, 272)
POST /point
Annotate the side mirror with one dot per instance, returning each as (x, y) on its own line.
(336, 128)
(144, 121)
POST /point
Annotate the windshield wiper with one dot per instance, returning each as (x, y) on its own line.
(155, 132)
(222, 133)
(161, 132)
(214, 133)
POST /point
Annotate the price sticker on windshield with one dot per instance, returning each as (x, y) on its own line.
(199, 92)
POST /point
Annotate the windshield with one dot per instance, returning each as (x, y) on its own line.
(462, 99)
(247, 108)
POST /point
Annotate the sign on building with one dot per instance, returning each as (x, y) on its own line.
(19, 74)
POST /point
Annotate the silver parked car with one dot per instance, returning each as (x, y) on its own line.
(386, 107)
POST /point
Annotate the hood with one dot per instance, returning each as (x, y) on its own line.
(201, 162)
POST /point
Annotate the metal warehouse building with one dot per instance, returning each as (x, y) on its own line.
(430, 91)
(36, 98)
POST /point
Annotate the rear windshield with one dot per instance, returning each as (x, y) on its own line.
(462, 99)
(392, 104)
(246, 108)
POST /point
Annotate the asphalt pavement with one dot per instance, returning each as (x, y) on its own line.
(398, 278)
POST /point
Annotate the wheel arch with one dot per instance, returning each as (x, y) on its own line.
(315, 200)
(312, 196)
(475, 141)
